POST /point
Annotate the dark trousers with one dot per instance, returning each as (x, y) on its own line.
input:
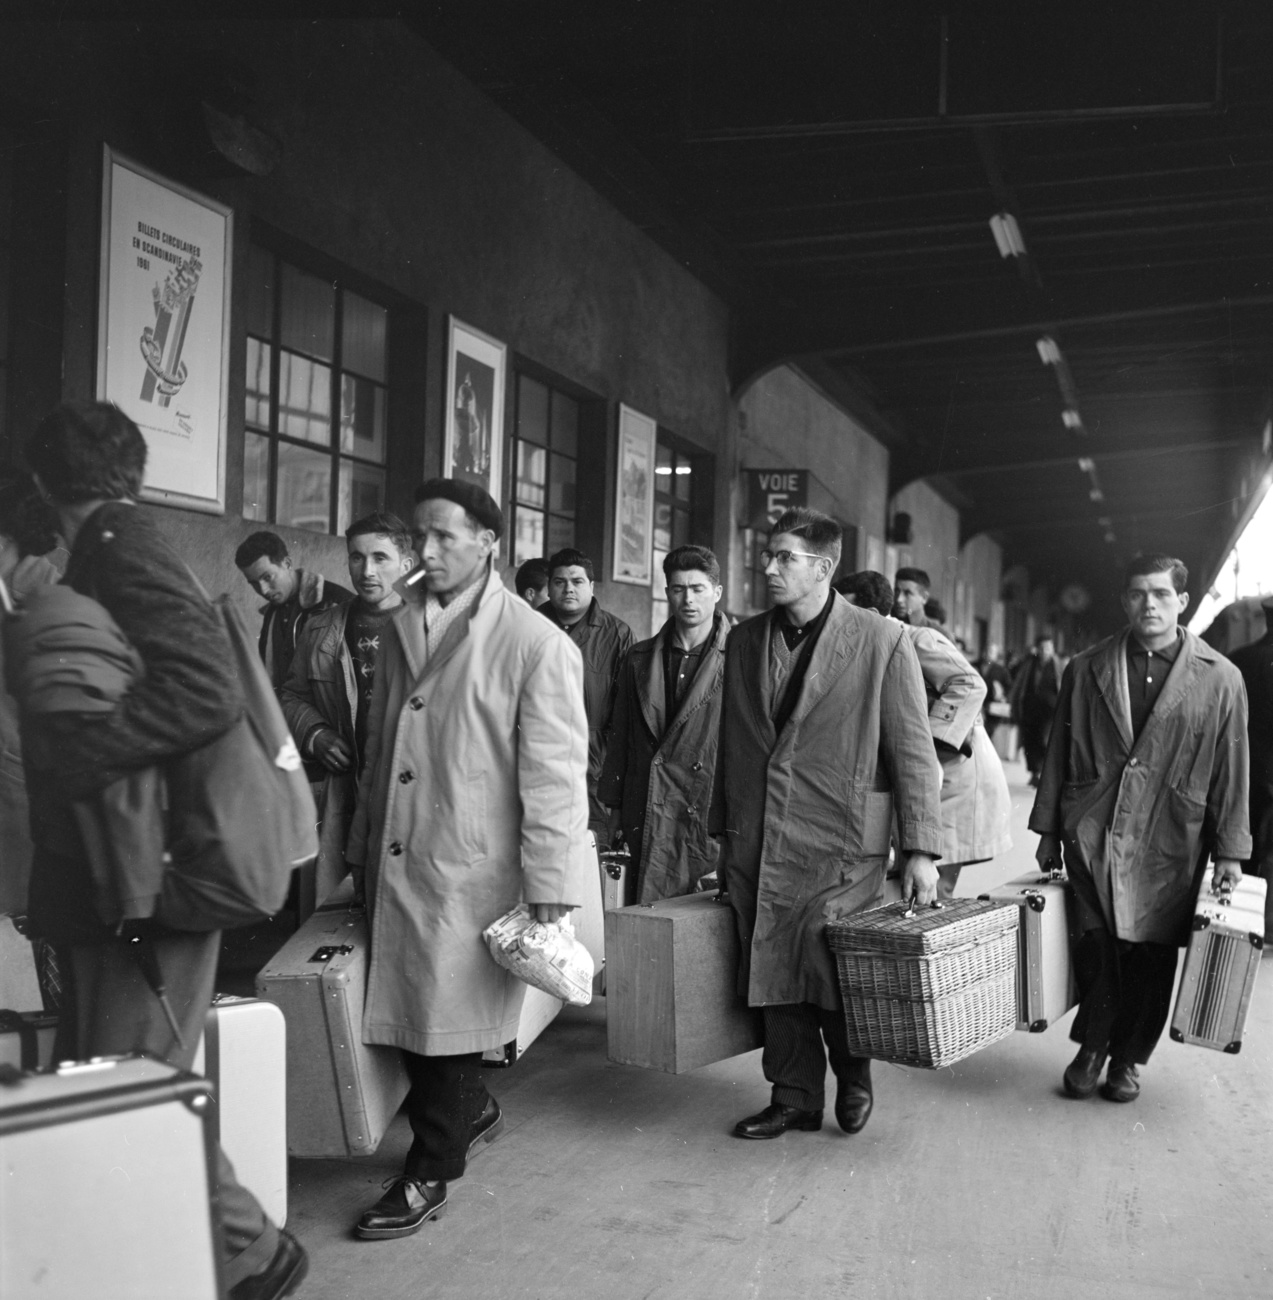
(448, 1095)
(794, 1060)
(1124, 995)
(108, 1009)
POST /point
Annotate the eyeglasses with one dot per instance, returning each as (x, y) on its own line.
(787, 558)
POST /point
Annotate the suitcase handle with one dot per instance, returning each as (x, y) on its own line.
(935, 906)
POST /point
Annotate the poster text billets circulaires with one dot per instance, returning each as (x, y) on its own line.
(168, 248)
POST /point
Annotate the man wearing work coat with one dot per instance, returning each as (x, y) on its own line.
(473, 799)
(1145, 776)
(657, 777)
(824, 732)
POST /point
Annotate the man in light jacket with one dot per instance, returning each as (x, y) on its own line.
(657, 777)
(1145, 776)
(824, 732)
(473, 799)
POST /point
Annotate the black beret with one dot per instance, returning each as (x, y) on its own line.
(476, 500)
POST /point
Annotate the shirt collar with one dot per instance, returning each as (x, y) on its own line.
(1167, 652)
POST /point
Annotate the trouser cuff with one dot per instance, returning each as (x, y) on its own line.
(783, 1095)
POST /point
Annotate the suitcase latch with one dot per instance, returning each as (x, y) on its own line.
(332, 950)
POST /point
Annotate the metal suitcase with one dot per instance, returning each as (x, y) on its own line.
(539, 1010)
(108, 1183)
(1221, 962)
(26, 1039)
(243, 1054)
(589, 920)
(342, 1093)
(1046, 986)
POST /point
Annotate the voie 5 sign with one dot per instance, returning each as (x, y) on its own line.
(771, 491)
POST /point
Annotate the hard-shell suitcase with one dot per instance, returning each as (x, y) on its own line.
(673, 1001)
(539, 1010)
(243, 1054)
(1221, 962)
(615, 864)
(26, 1039)
(341, 1093)
(589, 920)
(108, 1184)
(1046, 987)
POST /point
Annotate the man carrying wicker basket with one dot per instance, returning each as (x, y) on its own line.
(824, 736)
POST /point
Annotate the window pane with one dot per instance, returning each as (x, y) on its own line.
(308, 321)
(565, 424)
(362, 418)
(663, 465)
(257, 405)
(532, 471)
(561, 532)
(305, 399)
(532, 411)
(256, 477)
(260, 292)
(360, 491)
(529, 541)
(304, 488)
(561, 485)
(683, 477)
(680, 528)
(364, 329)
(662, 526)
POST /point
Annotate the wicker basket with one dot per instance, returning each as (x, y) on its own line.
(929, 988)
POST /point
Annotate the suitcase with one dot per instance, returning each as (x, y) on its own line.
(673, 1003)
(1221, 962)
(243, 1054)
(589, 921)
(614, 877)
(26, 1039)
(539, 1010)
(108, 1183)
(927, 986)
(1046, 987)
(342, 1094)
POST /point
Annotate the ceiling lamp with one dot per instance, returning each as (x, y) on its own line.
(1095, 494)
(1071, 418)
(1086, 464)
(1003, 225)
(1049, 353)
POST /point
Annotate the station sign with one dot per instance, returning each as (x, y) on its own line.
(771, 491)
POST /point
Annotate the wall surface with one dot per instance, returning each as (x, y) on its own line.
(934, 545)
(980, 576)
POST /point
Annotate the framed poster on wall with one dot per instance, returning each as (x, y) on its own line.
(473, 446)
(634, 498)
(163, 327)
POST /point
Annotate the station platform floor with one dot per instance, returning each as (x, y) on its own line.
(981, 1181)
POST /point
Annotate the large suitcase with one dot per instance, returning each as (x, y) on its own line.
(26, 1039)
(341, 1093)
(539, 1010)
(1046, 987)
(108, 1184)
(673, 1000)
(243, 1054)
(1221, 962)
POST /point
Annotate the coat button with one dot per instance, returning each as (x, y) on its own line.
(1134, 763)
(395, 849)
(406, 777)
(416, 702)
(698, 767)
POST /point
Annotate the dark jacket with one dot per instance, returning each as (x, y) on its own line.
(1138, 815)
(603, 640)
(1255, 663)
(807, 812)
(187, 696)
(659, 772)
(320, 690)
(278, 643)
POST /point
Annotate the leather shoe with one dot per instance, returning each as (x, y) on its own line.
(853, 1105)
(489, 1126)
(1122, 1083)
(407, 1204)
(1084, 1072)
(280, 1277)
(775, 1120)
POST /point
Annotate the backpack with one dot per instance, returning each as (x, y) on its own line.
(241, 815)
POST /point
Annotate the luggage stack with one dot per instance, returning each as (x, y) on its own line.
(928, 986)
(1221, 962)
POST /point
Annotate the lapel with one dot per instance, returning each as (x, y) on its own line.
(410, 624)
(1190, 663)
(1110, 674)
(831, 654)
(706, 679)
(652, 687)
(753, 669)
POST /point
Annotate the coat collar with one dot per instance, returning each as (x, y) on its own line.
(831, 653)
(409, 620)
(651, 685)
(591, 618)
(309, 590)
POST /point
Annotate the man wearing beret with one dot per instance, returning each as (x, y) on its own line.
(474, 798)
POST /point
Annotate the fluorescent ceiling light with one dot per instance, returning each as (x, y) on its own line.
(1071, 418)
(1086, 464)
(1003, 225)
(1049, 353)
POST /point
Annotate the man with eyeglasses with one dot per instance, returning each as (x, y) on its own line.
(824, 734)
(657, 777)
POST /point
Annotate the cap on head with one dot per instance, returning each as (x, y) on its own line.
(476, 501)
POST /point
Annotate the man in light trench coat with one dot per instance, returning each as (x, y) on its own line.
(474, 798)
(1145, 776)
(824, 728)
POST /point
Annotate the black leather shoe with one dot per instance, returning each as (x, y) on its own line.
(1084, 1072)
(402, 1210)
(489, 1125)
(853, 1103)
(775, 1120)
(280, 1277)
(1122, 1083)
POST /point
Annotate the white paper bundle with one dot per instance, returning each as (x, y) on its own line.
(548, 957)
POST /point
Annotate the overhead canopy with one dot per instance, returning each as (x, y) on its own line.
(1087, 375)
